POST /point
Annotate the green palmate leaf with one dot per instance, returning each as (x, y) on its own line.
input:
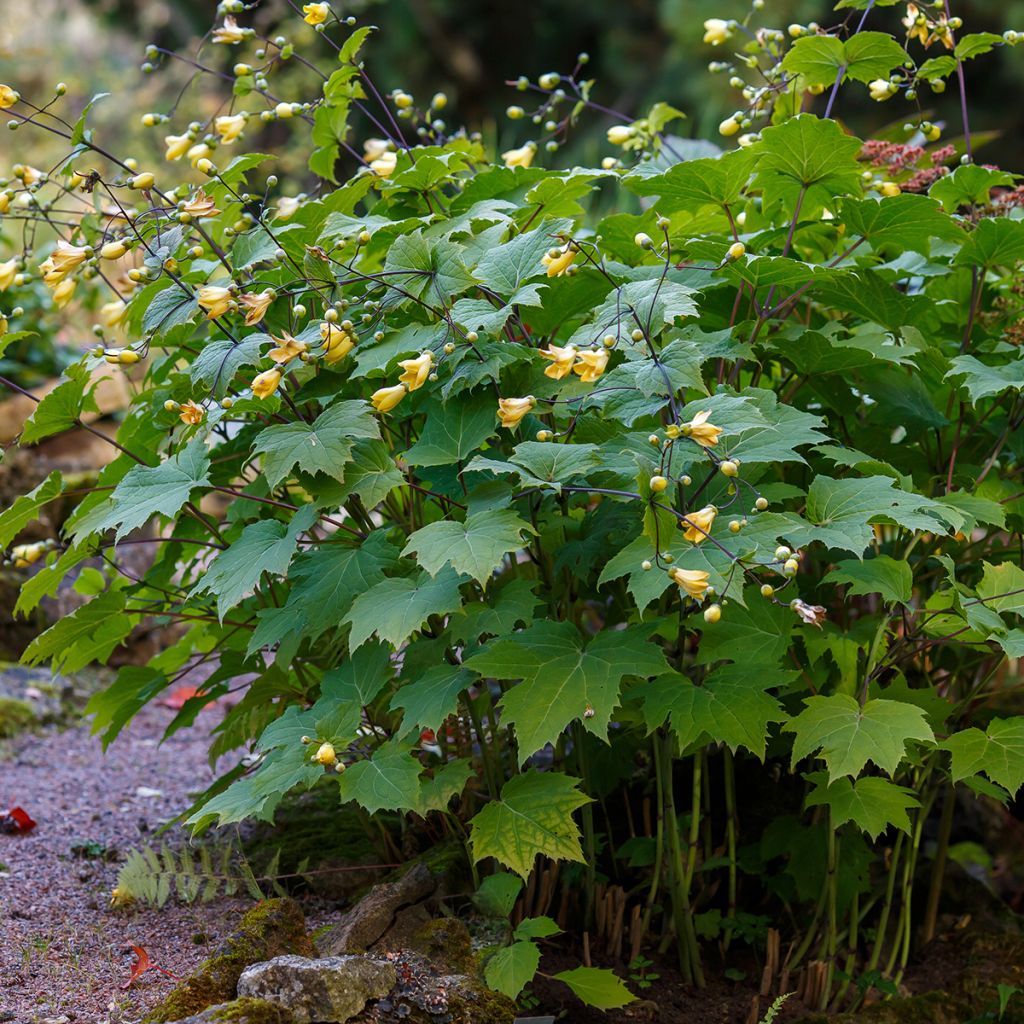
(361, 678)
(905, 221)
(872, 804)
(1002, 587)
(555, 463)
(998, 752)
(147, 491)
(324, 582)
(819, 59)
(389, 781)
(113, 707)
(508, 266)
(169, 308)
(968, 185)
(61, 407)
(219, 361)
(536, 928)
(394, 609)
(534, 816)
(563, 680)
(511, 969)
(323, 446)
(87, 635)
(428, 269)
(983, 381)
(993, 243)
(975, 44)
(871, 55)
(849, 735)
(498, 893)
(808, 156)
(880, 575)
(448, 782)
(266, 546)
(695, 184)
(729, 707)
(25, 509)
(757, 634)
(476, 547)
(597, 987)
(432, 698)
(453, 433)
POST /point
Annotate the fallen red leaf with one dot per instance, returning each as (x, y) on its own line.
(143, 964)
(178, 696)
(15, 821)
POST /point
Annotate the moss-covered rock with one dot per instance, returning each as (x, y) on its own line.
(241, 1011)
(15, 716)
(445, 942)
(272, 928)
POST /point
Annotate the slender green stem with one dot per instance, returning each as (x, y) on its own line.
(931, 912)
(731, 832)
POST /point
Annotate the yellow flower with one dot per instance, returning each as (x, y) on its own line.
(326, 754)
(881, 89)
(286, 207)
(558, 261)
(112, 313)
(5, 201)
(620, 134)
(216, 300)
(66, 256)
(51, 276)
(315, 14)
(416, 370)
(384, 165)
(25, 555)
(374, 148)
(29, 175)
(191, 413)
(63, 292)
(693, 581)
(698, 524)
(229, 127)
(385, 399)
(591, 364)
(8, 271)
(717, 31)
(197, 153)
(177, 146)
(337, 342)
(229, 33)
(265, 383)
(113, 250)
(521, 157)
(8, 97)
(200, 205)
(287, 349)
(512, 410)
(561, 360)
(255, 305)
(699, 430)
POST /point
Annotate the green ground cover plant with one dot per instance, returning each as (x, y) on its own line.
(536, 529)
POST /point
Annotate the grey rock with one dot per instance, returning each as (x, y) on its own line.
(374, 914)
(331, 990)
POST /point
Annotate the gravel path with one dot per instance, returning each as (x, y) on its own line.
(64, 954)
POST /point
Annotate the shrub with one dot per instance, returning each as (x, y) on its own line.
(508, 519)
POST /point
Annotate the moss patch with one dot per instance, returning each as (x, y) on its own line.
(15, 716)
(251, 1011)
(445, 942)
(272, 928)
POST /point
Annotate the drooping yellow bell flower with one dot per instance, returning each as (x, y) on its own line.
(229, 33)
(693, 581)
(512, 410)
(266, 383)
(177, 146)
(717, 31)
(384, 165)
(521, 157)
(558, 261)
(286, 207)
(200, 205)
(338, 342)
(562, 359)
(315, 14)
(374, 148)
(619, 134)
(416, 371)
(191, 413)
(8, 97)
(288, 348)
(198, 152)
(229, 127)
(8, 271)
(591, 364)
(67, 256)
(255, 305)
(698, 524)
(699, 430)
(215, 299)
(64, 292)
(385, 399)
(112, 313)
